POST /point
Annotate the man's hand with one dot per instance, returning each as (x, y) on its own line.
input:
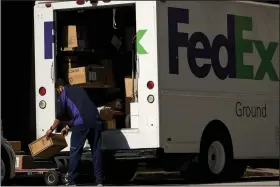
(49, 134)
(64, 132)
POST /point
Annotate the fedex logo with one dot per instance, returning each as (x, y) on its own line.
(48, 39)
(234, 43)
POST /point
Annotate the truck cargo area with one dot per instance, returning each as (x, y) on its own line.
(95, 49)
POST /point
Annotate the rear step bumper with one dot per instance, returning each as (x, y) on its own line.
(130, 154)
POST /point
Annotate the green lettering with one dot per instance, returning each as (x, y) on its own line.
(243, 46)
(266, 56)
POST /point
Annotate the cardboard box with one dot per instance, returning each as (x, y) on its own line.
(74, 36)
(115, 105)
(128, 93)
(44, 148)
(92, 74)
(16, 145)
(128, 86)
(111, 124)
(24, 162)
(106, 114)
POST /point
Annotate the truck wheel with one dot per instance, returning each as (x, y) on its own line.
(216, 156)
(5, 172)
(119, 172)
(191, 172)
(238, 170)
(51, 178)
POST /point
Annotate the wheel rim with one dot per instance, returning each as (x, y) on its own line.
(216, 157)
(3, 170)
(51, 178)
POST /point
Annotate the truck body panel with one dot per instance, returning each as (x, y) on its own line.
(144, 133)
(209, 61)
(212, 67)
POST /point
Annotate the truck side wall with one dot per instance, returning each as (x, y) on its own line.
(189, 103)
(144, 115)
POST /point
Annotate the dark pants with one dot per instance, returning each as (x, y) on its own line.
(78, 138)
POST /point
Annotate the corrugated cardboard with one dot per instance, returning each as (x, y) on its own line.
(128, 86)
(16, 145)
(111, 124)
(44, 148)
(106, 114)
(115, 105)
(69, 62)
(92, 74)
(24, 162)
(74, 36)
(128, 93)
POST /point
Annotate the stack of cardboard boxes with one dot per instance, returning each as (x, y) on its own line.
(74, 36)
(109, 112)
(41, 148)
(96, 75)
(93, 75)
(22, 161)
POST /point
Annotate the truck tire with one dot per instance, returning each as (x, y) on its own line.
(216, 156)
(191, 172)
(119, 172)
(5, 169)
(238, 170)
(51, 178)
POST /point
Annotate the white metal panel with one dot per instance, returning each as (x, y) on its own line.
(73, 4)
(134, 115)
(188, 104)
(148, 112)
(44, 67)
(146, 136)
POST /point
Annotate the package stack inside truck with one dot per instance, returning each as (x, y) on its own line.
(91, 53)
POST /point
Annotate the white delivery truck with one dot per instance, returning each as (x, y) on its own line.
(207, 81)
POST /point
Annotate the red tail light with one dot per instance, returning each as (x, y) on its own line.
(42, 91)
(80, 2)
(150, 85)
(48, 4)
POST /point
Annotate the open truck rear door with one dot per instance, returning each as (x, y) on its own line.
(44, 67)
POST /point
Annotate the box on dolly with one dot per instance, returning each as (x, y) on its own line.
(47, 148)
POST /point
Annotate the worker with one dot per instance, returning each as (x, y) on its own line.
(85, 124)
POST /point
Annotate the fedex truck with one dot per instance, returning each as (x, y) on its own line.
(207, 81)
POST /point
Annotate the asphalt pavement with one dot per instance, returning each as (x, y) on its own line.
(252, 177)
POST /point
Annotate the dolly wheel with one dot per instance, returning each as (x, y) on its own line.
(51, 178)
